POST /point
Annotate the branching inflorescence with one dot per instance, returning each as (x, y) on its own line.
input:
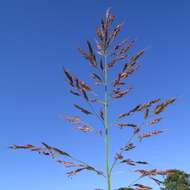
(102, 59)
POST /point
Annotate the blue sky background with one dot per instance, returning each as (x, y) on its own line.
(37, 38)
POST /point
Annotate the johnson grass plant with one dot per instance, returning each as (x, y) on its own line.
(107, 53)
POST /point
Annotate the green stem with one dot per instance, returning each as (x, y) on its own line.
(106, 122)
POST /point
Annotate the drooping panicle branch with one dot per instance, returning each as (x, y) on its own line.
(53, 152)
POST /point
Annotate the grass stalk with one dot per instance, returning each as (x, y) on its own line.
(106, 121)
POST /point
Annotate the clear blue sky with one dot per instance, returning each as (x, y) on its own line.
(37, 38)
